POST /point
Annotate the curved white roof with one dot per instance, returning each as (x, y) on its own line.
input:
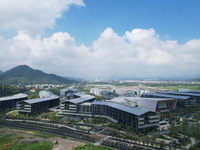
(132, 110)
(144, 103)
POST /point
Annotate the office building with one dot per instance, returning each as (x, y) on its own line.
(9, 103)
(36, 106)
(107, 94)
(182, 101)
(195, 96)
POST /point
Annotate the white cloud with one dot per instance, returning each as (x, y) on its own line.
(137, 52)
(32, 16)
(110, 54)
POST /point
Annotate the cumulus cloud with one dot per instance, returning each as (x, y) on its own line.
(137, 52)
(33, 16)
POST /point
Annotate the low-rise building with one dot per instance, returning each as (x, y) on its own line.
(195, 96)
(134, 117)
(77, 104)
(137, 118)
(68, 93)
(182, 101)
(188, 91)
(107, 94)
(9, 103)
(46, 101)
(152, 104)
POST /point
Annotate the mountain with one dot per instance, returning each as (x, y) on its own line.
(1, 72)
(25, 75)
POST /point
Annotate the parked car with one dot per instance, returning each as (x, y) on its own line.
(163, 125)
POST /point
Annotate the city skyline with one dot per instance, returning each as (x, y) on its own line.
(84, 38)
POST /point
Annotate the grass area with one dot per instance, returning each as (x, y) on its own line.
(12, 139)
(13, 114)
(175, 88)
(12, 142)
(92, 147)
(37, 146)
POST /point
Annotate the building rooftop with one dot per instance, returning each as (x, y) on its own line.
(167, 96)
(181, 93)
(87, 103)
(81, 99)
(69, 89)
(132, 110)
(20, 95)
(81, 94)
(140, 102)
(188, 91)
(39, 100)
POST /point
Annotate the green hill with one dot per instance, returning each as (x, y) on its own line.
(25, 75)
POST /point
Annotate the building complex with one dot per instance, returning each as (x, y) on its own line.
(138, 113)
(182, 101)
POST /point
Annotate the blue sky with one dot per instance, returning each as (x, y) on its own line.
(90, 38)
(172, 19)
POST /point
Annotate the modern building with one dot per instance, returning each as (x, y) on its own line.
(188, 91)
(46, 101)
(134, 117)
(182, 101)
(68, 93)
(195, 96)
(152, 104)
(131, 91)
(129, 115)
(108, 94)
(126, 92)
(9, 103)
(80, 103)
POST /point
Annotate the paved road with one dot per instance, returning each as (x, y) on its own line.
(192, 143)
(101, 141)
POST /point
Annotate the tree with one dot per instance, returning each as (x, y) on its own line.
(129, 129)
(162, 144)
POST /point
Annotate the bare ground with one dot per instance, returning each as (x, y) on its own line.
(62, 143)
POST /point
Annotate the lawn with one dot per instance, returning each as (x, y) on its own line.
(10, 140)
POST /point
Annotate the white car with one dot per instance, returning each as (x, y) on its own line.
(163, 125)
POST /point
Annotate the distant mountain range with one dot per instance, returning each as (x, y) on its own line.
(25, 75)
(1, 72)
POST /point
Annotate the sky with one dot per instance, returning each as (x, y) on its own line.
(101, 38)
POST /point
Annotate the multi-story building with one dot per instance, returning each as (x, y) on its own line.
(9, 103)
(138, 113)
(152, 104)
(182, 101)
(122, 91)
(68, 93)
(136, 118)
(195, 96)
(188, 91)
(108, 94)
(46, 101)
(78, 104)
